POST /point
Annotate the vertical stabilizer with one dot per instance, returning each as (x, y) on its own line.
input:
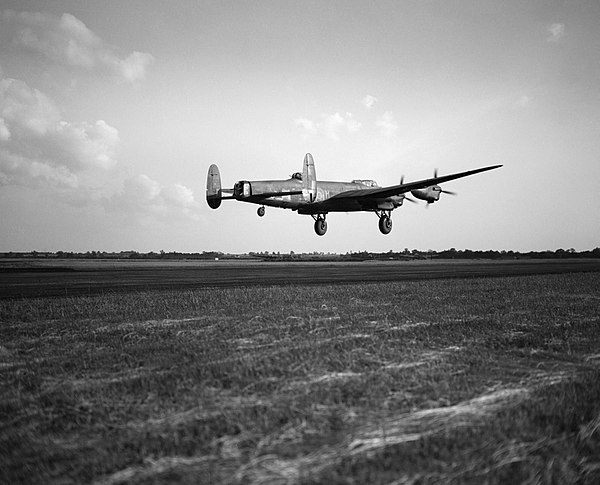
(309, 179)
(213, 187)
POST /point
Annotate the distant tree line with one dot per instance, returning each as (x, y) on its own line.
(406, 254)
(470, 254)
(557, 254)
(115, 255)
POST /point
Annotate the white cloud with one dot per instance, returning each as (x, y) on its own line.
(141, 190)
(40, 149)
(351, 124)
(16, 169)
(4, 131)
(369, 101)
(556, 31)
(143, 196)
(133, 68)
(67, 40)
(37, 145)
(179, 196)
(308, 126)
(86, 144)
(330, 125)
(333, 124)
(29, 111)
(524, 101)
(387, 124)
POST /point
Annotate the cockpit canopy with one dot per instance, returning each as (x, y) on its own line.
(368, 183)
(296, 176)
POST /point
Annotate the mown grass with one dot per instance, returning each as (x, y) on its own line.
(472, 380)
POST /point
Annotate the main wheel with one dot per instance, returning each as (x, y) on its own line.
(261, 211)
(321, 227)
(385, 224)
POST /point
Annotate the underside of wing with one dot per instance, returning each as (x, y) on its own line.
(333, 204)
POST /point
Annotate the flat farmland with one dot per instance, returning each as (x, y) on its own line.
(35, 278)
(417, 380)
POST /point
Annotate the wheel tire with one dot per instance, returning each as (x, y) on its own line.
(260, 211)
(320, 227)
(385, 225)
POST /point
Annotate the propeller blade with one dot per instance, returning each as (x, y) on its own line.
(402, 180)
(435, 173)
(449, 192)
(411, 200)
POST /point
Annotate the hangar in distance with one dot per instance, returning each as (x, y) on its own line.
(303, 193)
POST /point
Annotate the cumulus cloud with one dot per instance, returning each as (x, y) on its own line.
(369, 101)
(143, 196)
(4, 131)
(308, 126)
(36, 144)
(524, 101)
(556, 32)
(179, 196)
(329, 125)
(134, 67)
(68, 41)
(39, 149)
(387, 124)
(16, 169)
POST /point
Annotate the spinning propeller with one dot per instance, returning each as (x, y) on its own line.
(405, 196)
(435, 174)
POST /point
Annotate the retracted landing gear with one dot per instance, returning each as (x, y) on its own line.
(385, 221)
(261, 211)
(320, 224)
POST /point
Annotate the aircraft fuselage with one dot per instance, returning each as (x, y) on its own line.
(244, 191)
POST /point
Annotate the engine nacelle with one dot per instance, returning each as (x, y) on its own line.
(428, 194)
(390, 203)
(397, 200)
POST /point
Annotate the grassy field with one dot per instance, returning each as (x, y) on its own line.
(466, 381)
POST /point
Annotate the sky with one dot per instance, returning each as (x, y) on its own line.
(111, 113)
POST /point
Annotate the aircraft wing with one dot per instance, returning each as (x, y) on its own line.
(363, 195)
(384, 192)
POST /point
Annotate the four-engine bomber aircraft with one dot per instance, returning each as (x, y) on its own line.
(303, 193)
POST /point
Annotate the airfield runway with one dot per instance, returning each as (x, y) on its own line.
(24, 279)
